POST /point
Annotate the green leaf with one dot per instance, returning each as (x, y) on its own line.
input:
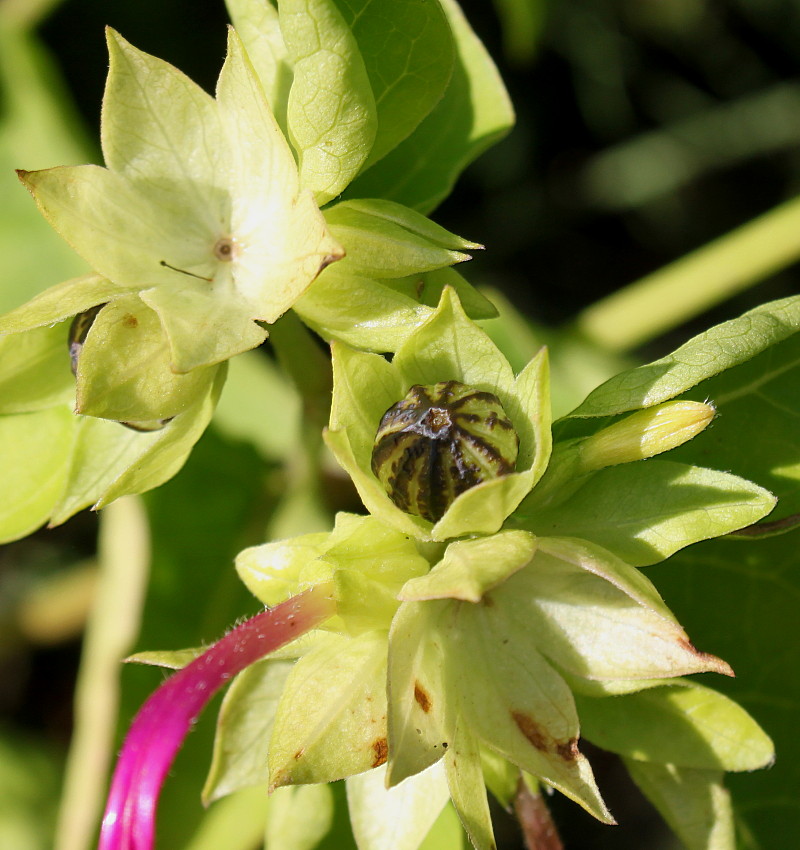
(408, 52)
(364, 313)
(467, 788)
(380, 315)
(60, 302)
(34, 370)
(387, 240)
(684, 724)
(258, 26)
(418, 700)
(473, 114)
(236, 823)
(101, 452)
(244, 728)
(202, 331)
(446, 833)
(710, 353)
(756, 431)
(472, 567)
(299, 817)
(515, 702)
(395, 818)
(34, 457)
(428, 288)
(171, 659)
(280, 239)
(109, 460)
(597, 617)
(740, 597)
(331, 719)
(331, 116)
(644, 512)
(449, 347)
(693, 802)
(124, 368)
(116, 228)
(163, 133)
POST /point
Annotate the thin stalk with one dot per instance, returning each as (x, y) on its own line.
(689, 286)
(538, 829)
(158, 730)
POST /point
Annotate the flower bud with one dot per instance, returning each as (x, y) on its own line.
(644, 434)
(440, 441)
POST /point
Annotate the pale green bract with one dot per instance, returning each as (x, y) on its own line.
(199, 211)
(497, 645)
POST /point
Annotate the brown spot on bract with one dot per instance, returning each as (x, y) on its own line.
(422, 698)
(568, 750)
(531, 730)
(380, 750)
(130, 321)
(298, 754)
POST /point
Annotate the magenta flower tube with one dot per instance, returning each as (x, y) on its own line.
(166, 717)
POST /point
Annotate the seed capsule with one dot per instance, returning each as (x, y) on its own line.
(440, 441)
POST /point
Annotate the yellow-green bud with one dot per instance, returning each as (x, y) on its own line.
(644, 434)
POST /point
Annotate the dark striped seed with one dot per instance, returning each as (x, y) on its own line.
(440, 441)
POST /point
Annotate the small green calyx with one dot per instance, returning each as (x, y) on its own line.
(440, 441)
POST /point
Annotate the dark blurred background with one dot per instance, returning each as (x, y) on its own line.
(645, 129)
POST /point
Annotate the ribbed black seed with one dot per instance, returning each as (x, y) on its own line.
(440, 441)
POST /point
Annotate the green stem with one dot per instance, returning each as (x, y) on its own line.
(302, 359)
(684, 289)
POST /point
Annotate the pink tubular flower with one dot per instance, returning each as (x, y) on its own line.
(162, 723)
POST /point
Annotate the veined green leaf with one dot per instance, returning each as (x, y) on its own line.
(473, 114)
(331, 719)
(596, 617)
(34, 370)
(299, 817)
(124, 368)
(387, 240)
(515, 702)
(693, 802)
(756, 433)
(740, 597)
(34, 457)
(396, 818)
(684, 724)
(408, 53)
(331, 116)
(258, 26)
(244, 727)
(710, 353)
(471, 567)
(163, 133)
(467, 789)
(416, 691)
(109, 460)
(60, 302)
(644, 512)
